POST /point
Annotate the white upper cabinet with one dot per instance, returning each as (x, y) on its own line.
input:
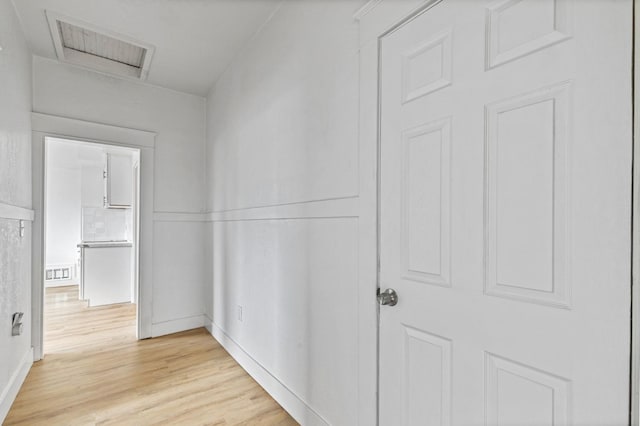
(119, 181)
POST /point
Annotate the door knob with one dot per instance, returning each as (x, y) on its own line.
(388, 297)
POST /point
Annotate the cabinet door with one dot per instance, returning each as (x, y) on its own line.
(119, 180)
(107, 275)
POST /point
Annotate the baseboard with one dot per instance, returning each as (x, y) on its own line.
(10, 392)
(295, 406)
(177, 325)
(208, 324)
(61, 283)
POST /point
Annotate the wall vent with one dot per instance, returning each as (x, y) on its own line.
(59, 272)
(101, 50)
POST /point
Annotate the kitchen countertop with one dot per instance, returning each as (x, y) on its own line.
(104, 244)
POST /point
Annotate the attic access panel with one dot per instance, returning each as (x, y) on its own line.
(98, 49)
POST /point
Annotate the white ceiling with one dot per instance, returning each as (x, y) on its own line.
(195, 40)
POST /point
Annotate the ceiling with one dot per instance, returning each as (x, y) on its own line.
(194, 40)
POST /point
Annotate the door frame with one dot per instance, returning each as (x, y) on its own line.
(376, 19)
(44, 126)
(634, 394)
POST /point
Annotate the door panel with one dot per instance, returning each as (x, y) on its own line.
(527, 160)
(426, 207)
(505, 182)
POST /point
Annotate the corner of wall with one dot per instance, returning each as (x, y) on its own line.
(296, 407)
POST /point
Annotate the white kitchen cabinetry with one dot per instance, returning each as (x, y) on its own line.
(106, 272)
(118, 181)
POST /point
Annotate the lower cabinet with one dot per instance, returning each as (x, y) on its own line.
(106, 273)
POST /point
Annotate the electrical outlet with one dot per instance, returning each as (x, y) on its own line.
(239, 312)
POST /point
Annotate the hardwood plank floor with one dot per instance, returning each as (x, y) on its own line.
(96, 373)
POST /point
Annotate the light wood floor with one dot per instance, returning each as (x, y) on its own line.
(95, 372)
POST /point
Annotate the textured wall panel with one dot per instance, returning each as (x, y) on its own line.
(283, 120)
(296, 284)
(15, 189)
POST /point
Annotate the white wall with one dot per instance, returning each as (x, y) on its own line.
(178, 120)
(63, 204)
(282, 153)
(287, 112)
(15, 190)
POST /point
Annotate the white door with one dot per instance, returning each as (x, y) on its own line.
(505, 184)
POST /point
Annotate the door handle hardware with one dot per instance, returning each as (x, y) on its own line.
(388, 297)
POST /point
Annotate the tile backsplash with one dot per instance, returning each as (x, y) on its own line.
(100, 224)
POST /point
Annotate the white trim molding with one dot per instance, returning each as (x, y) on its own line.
(16, 380)
(180, 217)
(7, 211)
(331, 208)
(51, 126)
(208, 324)
(296, 407)
(87, 131)
(635, 250)
(375, 19)
(378, 16)
(365, 9)
(177, 325)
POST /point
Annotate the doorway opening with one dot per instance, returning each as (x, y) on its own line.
(91, 234)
